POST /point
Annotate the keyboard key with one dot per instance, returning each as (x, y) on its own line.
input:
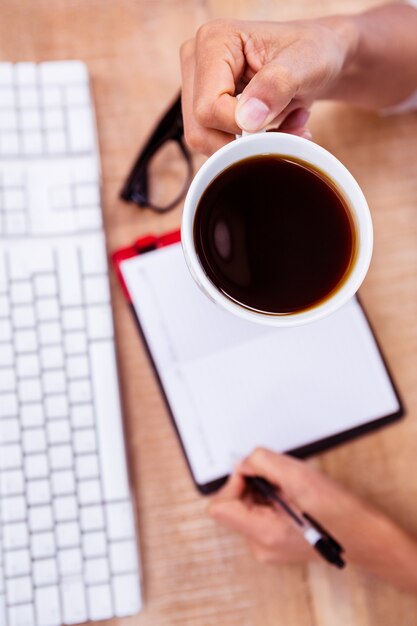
(120, 524)
(99, 322)
(87, 466)
(68, 535)
(63, 73)
(5, 330)
(84, 441)
(32, 143)
(8, 405)
(52, 96)
(80, 128)
(32, 415)
(9, 430)
(45, 285)
(14, 200)
(19, 590)
(61, 197)
(77, 367)
(23, 317)
(4, 306)
(6, 354)
(49, 333)
(45, 572)
(65, 508)
(34, 440)
(97, 290)
(27, 365)
(123, 557)
(38, 492)
(56, 406)
(40, 518)
(28, 97)
(77, 94)
(82, 415)
(26, 73)
(54, 382)
(94, 544)
(47, 309)
(42, 545)
(125, 593)
(12, 482)
(56, 142)
(7, 381)
(63, 483)
(21, 615)
(47, 606)
(9, 142)
(29, 390)
(108, 421)
(53, 119)
(94, 258)
(25, 341)
(17, 563)
(89, 492)
(15, 535)
(69, 277)
(75, 343)
(79, 391)
(87, 194)
(100, 602)
(58, 432)
(97, 571)
(13, 509)
(52, 357)
(61, 457)
(70, 562)
(30, 119)
(92, 518)
(7, 97)
(10, 456)
(15, 223)
(74, 605)
(73, 318)
(6, 74)
(36, 466)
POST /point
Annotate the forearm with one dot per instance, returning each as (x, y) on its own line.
(388, 552)
(381, 66)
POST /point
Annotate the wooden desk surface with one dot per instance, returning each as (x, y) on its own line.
(197, 574)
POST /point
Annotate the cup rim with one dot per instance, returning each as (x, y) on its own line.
(281, 144)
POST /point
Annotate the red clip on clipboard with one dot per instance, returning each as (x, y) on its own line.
(140, 246)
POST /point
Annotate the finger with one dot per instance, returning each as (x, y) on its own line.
(219, 63)
(281, 470)
(295, 120)
(198, 138)
(274, 86)
(232, 490)
(260, 523)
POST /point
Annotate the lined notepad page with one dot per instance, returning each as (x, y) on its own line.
(233, 385)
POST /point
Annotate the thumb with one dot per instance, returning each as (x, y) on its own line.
(265, 97)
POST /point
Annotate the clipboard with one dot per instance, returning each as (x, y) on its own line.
(151, 243)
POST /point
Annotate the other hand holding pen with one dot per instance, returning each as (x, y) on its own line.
(370, 539)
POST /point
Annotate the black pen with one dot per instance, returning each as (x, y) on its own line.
(312, 531)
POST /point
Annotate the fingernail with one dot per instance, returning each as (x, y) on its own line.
(251, 114)
(306, 134)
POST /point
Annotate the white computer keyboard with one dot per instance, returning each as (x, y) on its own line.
(68, 551)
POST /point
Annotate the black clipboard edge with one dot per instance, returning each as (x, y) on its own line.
(301, 452)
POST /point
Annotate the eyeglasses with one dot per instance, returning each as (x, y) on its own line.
(137, 187)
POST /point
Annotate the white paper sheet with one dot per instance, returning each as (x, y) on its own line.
(233, 385)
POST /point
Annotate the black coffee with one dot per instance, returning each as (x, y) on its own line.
(274, 235)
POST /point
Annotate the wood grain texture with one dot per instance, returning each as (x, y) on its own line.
(195, 573)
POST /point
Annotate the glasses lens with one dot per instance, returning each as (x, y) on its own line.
(168, 173)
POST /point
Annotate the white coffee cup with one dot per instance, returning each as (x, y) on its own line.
(286, 145)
